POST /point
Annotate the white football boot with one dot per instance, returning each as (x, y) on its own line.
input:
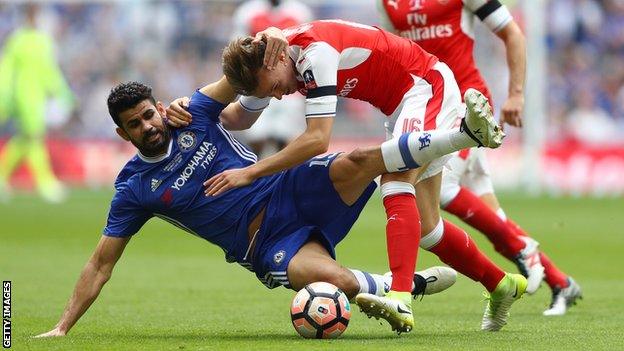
(509, 290)
(564, 298)
(530, 265)
(432, 280)
(395, 307)
(479, 123)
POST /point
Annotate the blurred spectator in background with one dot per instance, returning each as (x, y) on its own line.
(166, 42)
(586, 67)
(160, 42)
(588, 122)
(278, 124)
(29, 75)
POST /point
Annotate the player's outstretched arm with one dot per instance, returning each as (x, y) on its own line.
(94, 275)
(515, 48)
(244, 113)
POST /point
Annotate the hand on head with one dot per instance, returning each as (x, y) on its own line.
(276, 46)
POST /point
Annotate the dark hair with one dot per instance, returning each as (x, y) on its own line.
(241, 62)
(125, 96)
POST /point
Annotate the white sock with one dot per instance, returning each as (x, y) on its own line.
(372, 283)
(413, 150)
(432, 239)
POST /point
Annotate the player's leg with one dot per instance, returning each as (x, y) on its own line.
(565, 290)
(421, 132)
(47, 184)
(32, 125)
(457, 249)
(403, 128)
(351, 174)
(313, 263)
(451, 244)
(402, 227)
(467, 169)
(14, 150)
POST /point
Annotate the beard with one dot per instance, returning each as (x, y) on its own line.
(159, 146)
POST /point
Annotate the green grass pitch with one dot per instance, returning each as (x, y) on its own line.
(172, 291)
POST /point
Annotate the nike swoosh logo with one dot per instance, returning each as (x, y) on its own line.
(400, 310)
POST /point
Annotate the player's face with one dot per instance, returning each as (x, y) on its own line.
(144, 127)
(278, 82)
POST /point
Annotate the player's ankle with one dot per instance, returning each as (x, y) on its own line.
(403, 296)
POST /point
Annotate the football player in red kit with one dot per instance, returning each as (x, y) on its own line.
(445, 29)
(332, 58)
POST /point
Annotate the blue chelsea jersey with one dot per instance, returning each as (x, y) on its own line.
(170, 186)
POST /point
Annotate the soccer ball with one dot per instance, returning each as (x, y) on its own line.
(320, 310)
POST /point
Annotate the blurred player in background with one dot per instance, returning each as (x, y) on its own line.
(445, 29)
(332, 58)
(29, 76)
(276, 127)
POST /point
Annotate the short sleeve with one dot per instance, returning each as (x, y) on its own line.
(204, 109)
(491, 12)
(125, 216)
(318, 66)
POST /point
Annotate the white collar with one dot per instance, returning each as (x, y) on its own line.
(154, 159)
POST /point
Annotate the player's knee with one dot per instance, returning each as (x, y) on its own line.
(343, 279)
(358, 156)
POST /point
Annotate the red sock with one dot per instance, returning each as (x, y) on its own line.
(553, 276)
(402, 237)
(472, 210)
(516, 228)
(457, 249)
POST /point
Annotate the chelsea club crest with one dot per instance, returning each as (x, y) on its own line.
(186, 140)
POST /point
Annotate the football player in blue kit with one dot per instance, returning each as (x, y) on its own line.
(283, 227)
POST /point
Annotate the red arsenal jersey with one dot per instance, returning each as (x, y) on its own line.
(445, 29)
(339, 58)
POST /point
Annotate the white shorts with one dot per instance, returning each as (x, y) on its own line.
(468, 168)
(434, 102)
(279, 121)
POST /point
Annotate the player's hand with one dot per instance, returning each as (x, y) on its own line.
(177, 114)
(52, 333)
(230, 179)
(511, 112)
(276, 46)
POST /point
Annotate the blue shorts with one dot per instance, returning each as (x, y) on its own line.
(304, 205)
